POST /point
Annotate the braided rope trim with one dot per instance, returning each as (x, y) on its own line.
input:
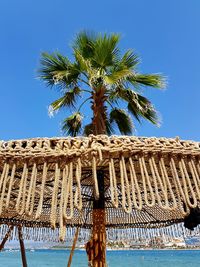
(42, 179)
(95, 145)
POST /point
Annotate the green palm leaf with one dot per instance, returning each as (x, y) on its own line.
(88, 129)
(68, 100)
(138, 105)
(153, 80)
(106, 50)
(109, 128)
(100, 49)
(122, 119)
(72, 124)
(146, 111)
(58, 70)
(117, 76)
(84, 43)
(84, 64)
(129, 60)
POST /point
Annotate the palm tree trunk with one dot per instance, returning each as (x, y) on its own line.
(99, 112)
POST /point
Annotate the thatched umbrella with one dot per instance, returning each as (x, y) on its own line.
(98, 182)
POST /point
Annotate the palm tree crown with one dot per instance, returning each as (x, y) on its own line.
(104, 77)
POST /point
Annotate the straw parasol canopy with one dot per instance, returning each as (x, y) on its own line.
(52, 182)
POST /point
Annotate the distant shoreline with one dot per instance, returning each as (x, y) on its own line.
(108, 249)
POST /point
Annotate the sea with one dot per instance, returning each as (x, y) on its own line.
(125, 258)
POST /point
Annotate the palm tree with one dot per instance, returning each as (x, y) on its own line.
(105, 78)
(101, 75)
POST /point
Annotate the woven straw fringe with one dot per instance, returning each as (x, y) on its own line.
(135, 182)
(41, 194)
(156, 184)
(166, 233)
(44, 234)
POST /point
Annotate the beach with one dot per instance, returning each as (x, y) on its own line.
(129, 258)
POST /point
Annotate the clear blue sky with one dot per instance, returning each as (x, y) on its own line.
(166, 34)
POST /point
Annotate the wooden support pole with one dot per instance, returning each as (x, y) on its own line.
(21, 242)
(6, 237)
(73, 248)
(99, 238)
(96, 247)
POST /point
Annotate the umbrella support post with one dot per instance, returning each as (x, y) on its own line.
(99, 238)
(73, 248)
(22, 248)
(6, 237)
(97, 246)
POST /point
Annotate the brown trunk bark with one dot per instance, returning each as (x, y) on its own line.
(6, 237)
(21, 242)
(99, 112)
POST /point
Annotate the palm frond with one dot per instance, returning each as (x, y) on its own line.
(88, 129)
(58, 70)
(122, 69)
(85, 67)
(84, 43)
(72, 124)
(151, 115)
(117, 76)
(51, 63)
(138, 105)
(129, 60)
(106, 51)
(101, 48)
(84, 63)
(109, 128)
(153, 80)
(133, 109)
(67, 100)
(122, 119)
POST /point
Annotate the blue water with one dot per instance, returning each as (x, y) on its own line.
(134, 258)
